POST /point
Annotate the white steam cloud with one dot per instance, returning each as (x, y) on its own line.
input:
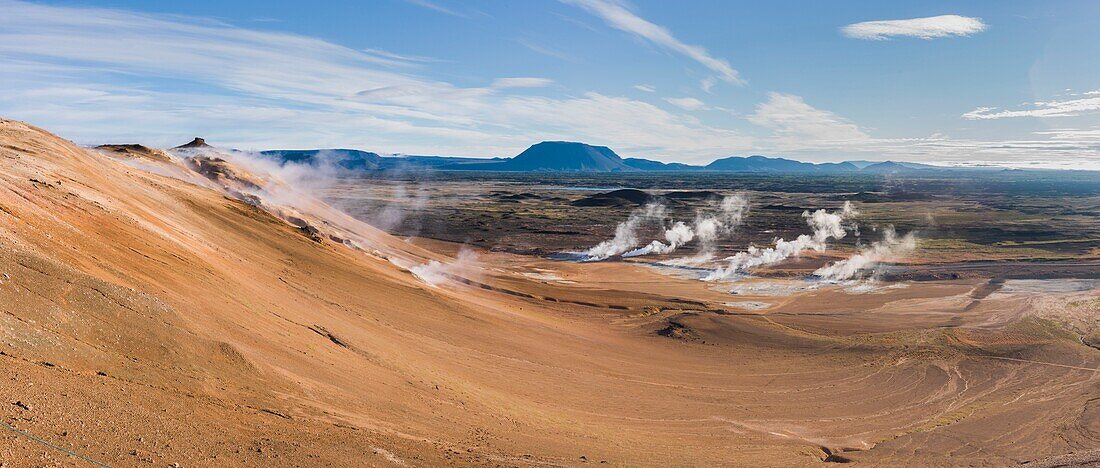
(825, 226)
(709, 226)
(677, 235)
(435, 272)
(300, 184)
(403, 203)
(890, 247)
(295, 185)
(626, 234)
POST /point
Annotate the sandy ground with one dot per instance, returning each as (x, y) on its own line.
(146, 319)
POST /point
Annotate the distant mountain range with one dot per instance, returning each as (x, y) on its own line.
(565, 156)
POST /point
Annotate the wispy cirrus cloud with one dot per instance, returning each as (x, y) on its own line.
(101, 75)
(618, 16)
(1073, 134)
(544, 50)
(521, 82)
(923, 28)
(435, 6)
(402, 59)
(96, 73)
(687, 103)
(799, 128)
(1081, 104)
(794, 123)
(706, 84)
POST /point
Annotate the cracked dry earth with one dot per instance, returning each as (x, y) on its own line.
(147, 319)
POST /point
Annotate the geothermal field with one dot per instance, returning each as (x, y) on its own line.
(201, 306)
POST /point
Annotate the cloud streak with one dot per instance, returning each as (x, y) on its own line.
(95, 73)
(438, 8)
(1042, 109)
(687, 103)
(932, 27)
(522, 82)
(618, 16)
(98, 75)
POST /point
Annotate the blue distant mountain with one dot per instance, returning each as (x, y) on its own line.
(355, 160)
(567, 156)
(651, 165)
(759, 163)
(891, 167)
(910, 165)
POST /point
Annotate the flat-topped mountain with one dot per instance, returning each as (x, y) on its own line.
(566, 156)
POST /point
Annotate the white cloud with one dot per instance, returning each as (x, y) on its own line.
(438, 8)
(99, 76)
(707, 83)
(796, 123)
(799, 128)
(923, 28)
(645, 88)
(687, 103)
(1072, 150)
(618, 16)
(1065, 108)
(401, 59)
(543, 50)
(1073, 134)
(522, 82)
(96, 75)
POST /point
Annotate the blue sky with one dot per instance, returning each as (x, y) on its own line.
(997, 82)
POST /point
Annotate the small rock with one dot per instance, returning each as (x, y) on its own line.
(101, 374)
(22, 405)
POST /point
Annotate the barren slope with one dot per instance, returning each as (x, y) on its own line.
(143, 317)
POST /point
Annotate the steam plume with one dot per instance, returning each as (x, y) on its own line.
(825, 226)
(295, 185)
(435, 272)
(677, 235)
(626, 234)
(710, 225)
(891, 246)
